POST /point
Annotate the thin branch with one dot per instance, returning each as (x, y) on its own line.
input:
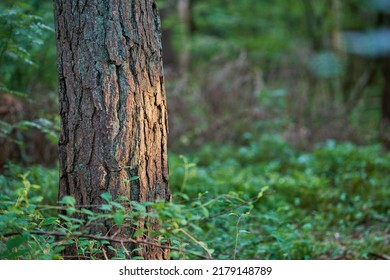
(227, 211)
(105, 254)
(125, 250)
(244, 203)
(197, 242)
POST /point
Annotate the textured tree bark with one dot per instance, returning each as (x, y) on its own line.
(112, 103)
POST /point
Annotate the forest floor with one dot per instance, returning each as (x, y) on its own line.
(264, 200)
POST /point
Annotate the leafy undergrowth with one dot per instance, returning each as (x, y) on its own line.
(261, 201)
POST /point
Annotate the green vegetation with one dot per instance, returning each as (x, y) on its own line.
(274, 139)
(260, 201)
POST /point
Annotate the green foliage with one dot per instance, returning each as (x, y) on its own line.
(48, 128)
(318, 203)
(21, 32)
(47, 178)
(325, 55)
(261, 201)
(19, 213)
(221, 26)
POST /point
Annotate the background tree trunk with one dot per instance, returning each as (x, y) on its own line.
(184, 11)
(385, 122)
(385, 101)
(112, 103)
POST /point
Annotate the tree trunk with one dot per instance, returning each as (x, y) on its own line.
(184, 11)
(385, 122)
(112, 104)
(385, 102)
(170, 58)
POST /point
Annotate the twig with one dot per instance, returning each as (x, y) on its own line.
(197, 242)
(125, 250)
(246, 202)
(104, 253)
(227, 211)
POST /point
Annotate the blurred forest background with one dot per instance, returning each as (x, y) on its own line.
(279, 116)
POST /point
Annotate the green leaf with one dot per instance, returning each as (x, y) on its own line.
(139, 232)
(184, 196)
(118, 218)
(134, 178)
(106, 207)
(68, 200)
(117, 205)
(112, 248)
(131, 179)
(210, 251)
(136, 250)
(206, 212)
(86, 211)
(70, 210)
(35, 187)
(58, 249)
(50, 221)
(36, 199)
(65, 218)
(138, 207)
(15, 242)
(106, 196)
(261, 193)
